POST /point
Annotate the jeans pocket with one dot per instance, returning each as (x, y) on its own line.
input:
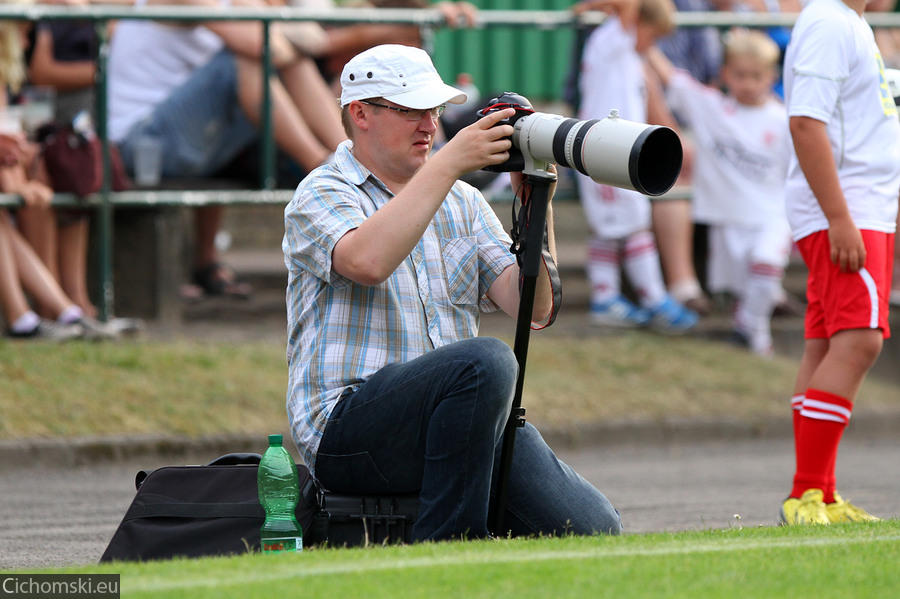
(354, 473)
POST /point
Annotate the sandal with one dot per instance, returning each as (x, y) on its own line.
(217, 280)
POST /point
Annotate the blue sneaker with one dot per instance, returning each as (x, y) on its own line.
(619, 312)
(671, 317)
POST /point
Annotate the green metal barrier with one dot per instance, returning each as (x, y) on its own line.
(532, 61)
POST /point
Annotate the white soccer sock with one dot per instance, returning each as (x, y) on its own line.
(643, 269)
(603, 269)
(754, 313)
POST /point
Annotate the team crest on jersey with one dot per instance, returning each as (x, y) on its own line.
(887, 97)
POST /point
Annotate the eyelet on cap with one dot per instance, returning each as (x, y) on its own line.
(352, 77)
(369, 74)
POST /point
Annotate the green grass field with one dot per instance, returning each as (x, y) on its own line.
(194, 388)
(840, 561)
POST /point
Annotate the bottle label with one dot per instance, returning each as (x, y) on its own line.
(281, 545)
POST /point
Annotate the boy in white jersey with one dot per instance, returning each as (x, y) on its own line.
(742, 149)
(613, 77)
(841, 196)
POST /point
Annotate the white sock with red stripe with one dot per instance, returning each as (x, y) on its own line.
(603, 269)
(641, 264)
(754, 314)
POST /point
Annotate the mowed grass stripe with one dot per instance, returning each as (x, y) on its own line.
(353, 562)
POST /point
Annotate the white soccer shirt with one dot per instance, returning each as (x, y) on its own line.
(742, 154)
(834, 73)
(612, 77)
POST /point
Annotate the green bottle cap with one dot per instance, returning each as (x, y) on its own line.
(275, 440)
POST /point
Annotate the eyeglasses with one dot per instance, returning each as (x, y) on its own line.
(412, 114)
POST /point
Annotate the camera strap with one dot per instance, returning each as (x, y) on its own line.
(520, 222)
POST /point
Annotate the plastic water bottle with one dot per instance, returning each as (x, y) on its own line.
(279, 493)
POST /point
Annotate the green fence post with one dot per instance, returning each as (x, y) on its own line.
(267, 155)
(105, 212)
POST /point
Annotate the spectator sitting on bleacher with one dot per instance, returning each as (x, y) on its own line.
(333, 46)
(23, 276)
(62, 57)
(197, 89)
(21, 270)
(694, 49)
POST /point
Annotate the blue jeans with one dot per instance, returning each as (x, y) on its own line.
(201, 124)
(434, 425)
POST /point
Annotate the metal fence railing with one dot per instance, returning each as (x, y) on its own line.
(536, 22)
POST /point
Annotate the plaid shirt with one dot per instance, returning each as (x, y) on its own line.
(341, 332)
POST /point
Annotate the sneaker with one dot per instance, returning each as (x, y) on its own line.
(51, 331)
(699, 304)
(618, 312)
(809, 509)
(671, 317)
(96, 330)
(126, 326)
(760, 347)
(844, 511)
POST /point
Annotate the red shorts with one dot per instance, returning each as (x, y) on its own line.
(847, 300)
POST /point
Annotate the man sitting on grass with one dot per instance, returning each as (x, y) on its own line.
(390, 261)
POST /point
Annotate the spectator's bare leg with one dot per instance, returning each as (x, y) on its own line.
(207, 221)
(674, 230)
(213, 277)
(292, 134)
(13, 302)
(37, 224)
(315, 101)
(72, 260)
(36, 280)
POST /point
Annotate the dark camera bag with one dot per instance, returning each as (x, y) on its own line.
(194, 511)
(351, 520)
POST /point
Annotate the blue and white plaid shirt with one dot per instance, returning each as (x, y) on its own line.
(341, 332)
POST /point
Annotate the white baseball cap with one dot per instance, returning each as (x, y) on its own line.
(401, 74)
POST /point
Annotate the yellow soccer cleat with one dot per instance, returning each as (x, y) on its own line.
(844, 511)
(808, 509)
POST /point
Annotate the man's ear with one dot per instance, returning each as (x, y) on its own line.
(358, 114)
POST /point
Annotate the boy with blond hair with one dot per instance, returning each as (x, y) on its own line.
(613, 76)
(742, 149)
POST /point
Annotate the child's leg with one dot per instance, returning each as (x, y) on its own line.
(828, 404)
(603, 269)
(845, 331)
(754, 313)
(673, 230)
(641, 264)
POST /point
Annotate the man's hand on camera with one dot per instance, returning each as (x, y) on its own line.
(481, 144)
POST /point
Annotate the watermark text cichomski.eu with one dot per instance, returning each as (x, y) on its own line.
(54, 586)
